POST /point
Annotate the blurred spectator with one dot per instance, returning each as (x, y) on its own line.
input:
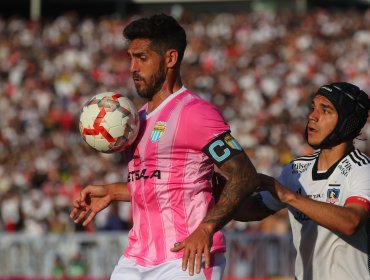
(36, 208)
(59, 270)
(10, 209)
(77, 267)
(114, 222)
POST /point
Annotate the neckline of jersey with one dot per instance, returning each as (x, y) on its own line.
(319, 175)
(166, 101)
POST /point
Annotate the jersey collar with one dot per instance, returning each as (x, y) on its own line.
(325, 175)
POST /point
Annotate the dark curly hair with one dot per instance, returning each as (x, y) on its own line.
(164, 32)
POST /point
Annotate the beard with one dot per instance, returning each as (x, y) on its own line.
(149, 87)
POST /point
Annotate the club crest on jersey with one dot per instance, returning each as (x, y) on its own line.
(332, 195)
(158, 131)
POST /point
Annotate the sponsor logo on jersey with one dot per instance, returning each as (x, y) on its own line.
(300, 167)
(316, 196)
(143, 174)
(345, 167)
(332, 195)
(158, 131)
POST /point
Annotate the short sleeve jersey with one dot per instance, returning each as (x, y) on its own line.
(322, 254)
(169, 176)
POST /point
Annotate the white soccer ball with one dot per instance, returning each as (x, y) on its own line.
(109, 122)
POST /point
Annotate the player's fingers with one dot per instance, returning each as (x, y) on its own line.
(74, 213)
(185, 259)
(89, 218)
(177, 247)
(198, 263)
(81, 215)
(76, 203)
(191, 262)
(84, 193)
(207, 257)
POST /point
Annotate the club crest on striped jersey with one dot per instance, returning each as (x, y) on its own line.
(158, 131)
(332, 195)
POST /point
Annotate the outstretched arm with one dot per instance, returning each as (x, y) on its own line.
(242, 181)
(252, 208)
(95, 198)
(341, 219)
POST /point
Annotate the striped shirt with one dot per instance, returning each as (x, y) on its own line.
(322, 254)
(169, 176)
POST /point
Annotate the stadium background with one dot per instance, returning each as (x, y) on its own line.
(258, 61)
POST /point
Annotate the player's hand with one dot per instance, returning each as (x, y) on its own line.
(92, 200)
(277, 190)
(197, 244)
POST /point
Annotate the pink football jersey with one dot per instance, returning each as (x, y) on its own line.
(169, 176)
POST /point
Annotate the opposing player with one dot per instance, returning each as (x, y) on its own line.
(327, 193)
(175, 221)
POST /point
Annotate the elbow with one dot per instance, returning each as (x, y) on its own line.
(351, 227)
(251, 182)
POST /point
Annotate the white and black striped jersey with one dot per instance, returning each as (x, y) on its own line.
(321, 253)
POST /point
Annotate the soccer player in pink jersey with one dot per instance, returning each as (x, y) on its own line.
(176, 223)
(327, 193)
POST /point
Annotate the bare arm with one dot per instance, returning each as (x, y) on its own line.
(95, 198)
(242, 181)
(253, 209)
(341, 219)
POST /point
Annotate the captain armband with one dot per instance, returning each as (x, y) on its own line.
(222, 148)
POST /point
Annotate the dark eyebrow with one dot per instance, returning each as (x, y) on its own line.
(326, 106)
(136, 54)
(323, 105)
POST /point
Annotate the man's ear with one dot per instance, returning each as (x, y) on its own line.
(171, 58)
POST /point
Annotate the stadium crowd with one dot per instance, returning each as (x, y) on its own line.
(259, 69)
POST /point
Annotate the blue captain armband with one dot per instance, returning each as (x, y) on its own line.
(222, 148)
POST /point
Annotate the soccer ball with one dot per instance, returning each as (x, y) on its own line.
(109, 122)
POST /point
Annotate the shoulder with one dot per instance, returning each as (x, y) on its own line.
(293, 170)
(356, 165)
(358, 159)
(301, 164)
(195, 102)
(306, 158)
(200, 109)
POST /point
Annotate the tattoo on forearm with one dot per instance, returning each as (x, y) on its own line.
(241, 183)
